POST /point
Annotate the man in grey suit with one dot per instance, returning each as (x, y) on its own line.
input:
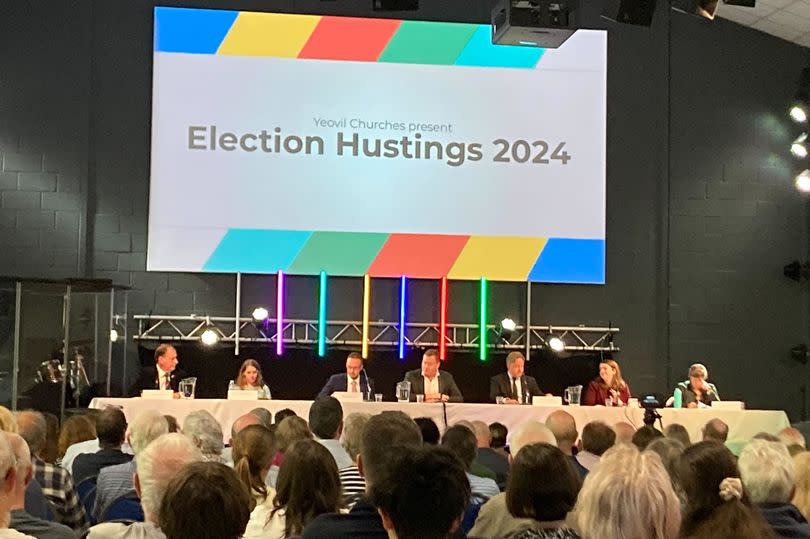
(435, 385)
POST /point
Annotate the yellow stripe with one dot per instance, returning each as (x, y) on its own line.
(497, 259)
(268, 34)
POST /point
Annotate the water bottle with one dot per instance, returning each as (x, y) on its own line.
(232, 385)
(677, 398)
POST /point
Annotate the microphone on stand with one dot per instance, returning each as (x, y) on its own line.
(368, 385)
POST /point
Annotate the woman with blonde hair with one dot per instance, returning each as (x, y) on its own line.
(7, 421)
(77, 428)
(609, 388)
(629, 495)
(253, 450)
(250, 378)
(801, 496)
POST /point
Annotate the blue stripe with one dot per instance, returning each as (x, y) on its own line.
(256, 251)
(570, 261)
(481, 52)
(192, 31)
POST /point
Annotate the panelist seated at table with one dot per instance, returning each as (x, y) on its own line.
(351, 381)
(609, 388)
(250, 379)
(164, 374)
(513, 385)
(435, 385)
(697, 391)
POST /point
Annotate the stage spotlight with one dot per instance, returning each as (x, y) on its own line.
(556, 344)
(209, 337)
(803, 181)
(508, 325)
(113, 335)
(800, 107)
(799, 146)
(798, 113)
(701, 8)
(260, 314)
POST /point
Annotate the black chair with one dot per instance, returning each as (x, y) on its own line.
(86, 490)
(125, 508)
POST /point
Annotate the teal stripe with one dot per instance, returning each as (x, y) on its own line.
(481, 52)
(256, 251)
(419, 42)
(338, 253)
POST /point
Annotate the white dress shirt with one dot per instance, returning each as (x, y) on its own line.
(431, 386)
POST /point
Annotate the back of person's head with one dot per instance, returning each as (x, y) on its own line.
(597, 437)
(801, 496)
(7, 421)
(290, 430)
(530, 432)
(646, 434)
(281, 414)
(77, 428)
(353, 433)
(669, 450)
(792, 436)
(253, 450)
(326, 418)
(145, 428)
(264, 415)
(482, 435)
(308, 485)
(111, 427)
(564, 427)
(383, 431)
(767, 471)
(424, 495)
(542, 484)
(460, 441)
(33, 428)
(205, 431)
(205, 500)
(22, 456)
(156, 464)
(715, 429)
(174, 426)
(678, 432)
(430, 432)
(624, 432)
(243, 421)
(498, 433)
(714, 496)
(629, 495)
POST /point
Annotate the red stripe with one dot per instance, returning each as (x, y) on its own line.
(426, 256)
(348, 38)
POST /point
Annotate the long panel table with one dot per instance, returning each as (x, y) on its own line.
(743, 424)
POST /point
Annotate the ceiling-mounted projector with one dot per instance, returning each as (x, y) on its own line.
(534, 23)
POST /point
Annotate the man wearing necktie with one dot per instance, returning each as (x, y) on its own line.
(354, 380)
(514, 385)
(164, 374)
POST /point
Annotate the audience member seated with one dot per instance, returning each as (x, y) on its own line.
(498, 433)
(715, 429)
(543, 487)
(290, 430)
(629, 495)
(624, 432)
(8, 423)
(383, 432)
(461, 442)
(253, 450)
(49, 448)
(564, 427)
(206, 433)
(21, 520)
(430, 432)
(423, 495)
(715, 503)
(116, 481)
(769, 477)
(494, 519)
(645, 435)
(477, 469)
(157, 464)
(793, 440)
(33, 428)
(205, 500)
(678, 432)
(244, 420)
(669, 450)
(801, 496)
(174, 426)
(265, 416)
(8, 484)
(326, 423)
(78, 435)
(111, 428)
(597, 438)
(490, 458)
(351, 482)
(281, 414)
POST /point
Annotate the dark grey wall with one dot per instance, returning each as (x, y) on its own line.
(701, 212)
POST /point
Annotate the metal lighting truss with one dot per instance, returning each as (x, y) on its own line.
(381, 334)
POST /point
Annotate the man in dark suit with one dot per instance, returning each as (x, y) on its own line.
(164, 374)
(351, 380)
(514, 385)
(436, 386)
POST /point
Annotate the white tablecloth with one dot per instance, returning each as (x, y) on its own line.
(743, 424)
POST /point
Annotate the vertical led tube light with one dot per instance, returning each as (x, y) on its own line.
(482, 340)
(443, 319)
(403, 290)
(366, 309)
(322, 316)
(280, 313)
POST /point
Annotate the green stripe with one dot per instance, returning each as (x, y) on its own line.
(419, 42)
(338, 253)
